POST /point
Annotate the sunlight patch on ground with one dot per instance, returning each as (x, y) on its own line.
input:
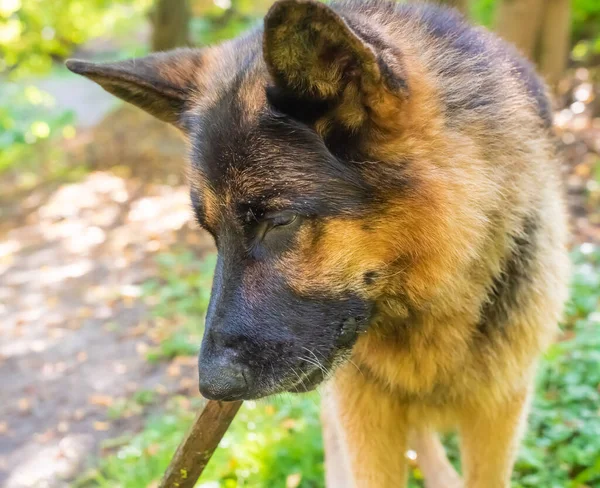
(70, 304)
(59, 461)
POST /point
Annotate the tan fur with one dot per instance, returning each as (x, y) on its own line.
(470, 188)
(489, 441)
(374, 429)
(425, 352)
(431, 456)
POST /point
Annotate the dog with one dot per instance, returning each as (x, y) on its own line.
(382, 184)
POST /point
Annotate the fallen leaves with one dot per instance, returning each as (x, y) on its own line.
(142, 348)
(578, 127)
(101, 400)
(189, 386)
(79, 414)
(24, 405)
(101, 426)
(84, 312)
(174, 370)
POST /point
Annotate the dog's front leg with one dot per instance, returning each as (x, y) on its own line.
(490, 440)
(434, 464)
(337, 471)
(373, 430)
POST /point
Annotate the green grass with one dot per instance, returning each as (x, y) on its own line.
(179, 299)
(562, 447)
(267, 442)
(276, 442)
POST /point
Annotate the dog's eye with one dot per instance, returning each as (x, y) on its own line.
(274, 233)
(279, 224)
(282, 219)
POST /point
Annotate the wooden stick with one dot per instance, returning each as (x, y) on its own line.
(196, 449)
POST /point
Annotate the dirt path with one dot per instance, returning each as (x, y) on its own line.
(70, 306)
(86, 100)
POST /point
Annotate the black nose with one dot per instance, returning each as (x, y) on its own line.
(223, 379)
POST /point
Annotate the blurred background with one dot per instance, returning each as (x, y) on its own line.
(104, 279)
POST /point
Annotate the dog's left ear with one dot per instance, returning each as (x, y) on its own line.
(161, 83)
(314, 54)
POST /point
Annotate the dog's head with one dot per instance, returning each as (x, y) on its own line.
(280, 124)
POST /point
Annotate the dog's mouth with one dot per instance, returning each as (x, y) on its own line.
(347, 336)
(308, 382)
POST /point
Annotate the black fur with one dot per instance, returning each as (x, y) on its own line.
(277, 151)
(370, 277)
(504, 294)
(271, 332)
(449, 27)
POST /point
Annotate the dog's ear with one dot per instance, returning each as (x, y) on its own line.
(161, 83)
(312, 52)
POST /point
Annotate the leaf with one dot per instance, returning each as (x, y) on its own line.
(101, 400)
(101, 426)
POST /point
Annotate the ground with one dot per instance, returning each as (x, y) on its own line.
(72, 259)
(75, 327)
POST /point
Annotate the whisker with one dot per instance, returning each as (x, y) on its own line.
(273, 378)
(357, 368)
(299, 379)
(320, 365)
(311, 361)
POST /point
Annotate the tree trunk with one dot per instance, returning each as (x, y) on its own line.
(541, 30)
(461, 5)
(170, 24)
(555, 40)
(519, 22)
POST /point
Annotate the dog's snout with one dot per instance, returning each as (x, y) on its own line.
(223, 378)
(225, 339)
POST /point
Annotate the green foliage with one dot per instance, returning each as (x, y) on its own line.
(127, 407)
(183, 287)
(217, 26)
(145, 456)
(267, 442)
(33, 33)
(270, 441)
(482, 12)
(585, 17)
(277, 438)
(177, 344)
(181, 296)
(562, 448)
(27, 117)
(563, 442)
(226, 19)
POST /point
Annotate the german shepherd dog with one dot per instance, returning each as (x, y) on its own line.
(382, 185)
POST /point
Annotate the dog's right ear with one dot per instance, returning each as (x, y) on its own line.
(161, 83)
